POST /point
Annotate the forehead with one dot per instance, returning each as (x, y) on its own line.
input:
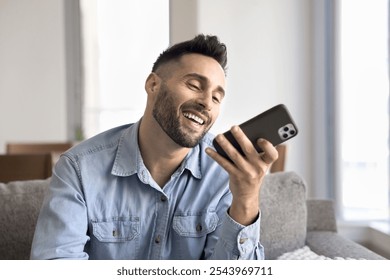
(198, 64)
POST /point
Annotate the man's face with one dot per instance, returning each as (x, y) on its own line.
(188, 102)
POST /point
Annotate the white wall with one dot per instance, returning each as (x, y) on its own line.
(32, 71)
(269, 61)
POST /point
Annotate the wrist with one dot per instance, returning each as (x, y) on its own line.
(244, 213)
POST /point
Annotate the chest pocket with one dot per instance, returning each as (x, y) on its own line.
(195, 225)
(117, 229)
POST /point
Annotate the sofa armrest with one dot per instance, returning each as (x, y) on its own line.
(20, 203)
(283, 213)
(332, 245)
(320, 215)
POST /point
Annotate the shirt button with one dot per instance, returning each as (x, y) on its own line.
(158, 239)
(243, 240)
(163, 198)
(199, 228)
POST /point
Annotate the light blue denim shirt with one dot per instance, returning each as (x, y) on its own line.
(103, 203)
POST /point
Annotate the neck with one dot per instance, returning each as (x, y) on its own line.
(161, 155)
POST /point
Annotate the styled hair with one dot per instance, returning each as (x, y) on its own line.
(202, 44)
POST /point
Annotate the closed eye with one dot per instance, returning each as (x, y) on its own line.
(193, 86)
(218, 96)
(216, 99)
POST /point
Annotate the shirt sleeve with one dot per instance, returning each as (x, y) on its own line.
(61, 230)
(236, 241)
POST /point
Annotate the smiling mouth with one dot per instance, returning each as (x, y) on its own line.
(194, 118)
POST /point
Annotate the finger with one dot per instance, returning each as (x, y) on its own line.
(270, 153)
(244, 142)
(264, 157)
(234, 155)
(225, 163)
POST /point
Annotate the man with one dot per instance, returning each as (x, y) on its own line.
(155, 189)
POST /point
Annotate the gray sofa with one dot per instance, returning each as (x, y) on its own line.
(289, 220)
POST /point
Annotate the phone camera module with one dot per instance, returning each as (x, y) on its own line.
(287, 131)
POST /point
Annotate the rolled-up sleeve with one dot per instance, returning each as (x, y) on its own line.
(239, 242)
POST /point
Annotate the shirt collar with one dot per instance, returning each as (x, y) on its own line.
(128, 159)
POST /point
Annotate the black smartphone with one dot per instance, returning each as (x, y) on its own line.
(275, 125)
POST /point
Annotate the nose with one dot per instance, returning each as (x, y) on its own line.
(206, 101)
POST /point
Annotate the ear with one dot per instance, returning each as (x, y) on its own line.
(152, 84)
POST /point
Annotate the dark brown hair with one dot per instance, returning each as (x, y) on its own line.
(202, 44)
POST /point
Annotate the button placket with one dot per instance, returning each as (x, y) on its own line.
(162, 219)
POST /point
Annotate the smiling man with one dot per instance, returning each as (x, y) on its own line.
(156, 189)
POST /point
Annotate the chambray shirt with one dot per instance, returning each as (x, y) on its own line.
(102, 203)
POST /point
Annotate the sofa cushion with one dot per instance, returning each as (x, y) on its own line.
(19, 209)
(333, 245)
(283, 213)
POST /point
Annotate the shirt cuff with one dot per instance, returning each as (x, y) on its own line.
(242, 240)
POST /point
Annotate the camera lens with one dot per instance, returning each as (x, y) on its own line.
(285, 135)
(292, 132)
(285, 128)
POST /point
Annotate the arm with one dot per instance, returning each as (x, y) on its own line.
(245, 178)
(62, 223)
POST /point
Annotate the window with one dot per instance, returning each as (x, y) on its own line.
(364, 109)
(121, 40)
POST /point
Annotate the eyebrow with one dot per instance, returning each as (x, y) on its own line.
(205, 80)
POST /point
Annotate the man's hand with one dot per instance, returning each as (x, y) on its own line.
(245, 173)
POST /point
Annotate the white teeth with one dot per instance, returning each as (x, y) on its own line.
(193, 117)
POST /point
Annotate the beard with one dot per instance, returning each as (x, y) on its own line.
(164, 112)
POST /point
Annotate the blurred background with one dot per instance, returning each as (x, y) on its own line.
(70, 69)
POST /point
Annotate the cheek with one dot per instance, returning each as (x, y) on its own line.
(171, 98)
(176, 96)
(214, 115)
